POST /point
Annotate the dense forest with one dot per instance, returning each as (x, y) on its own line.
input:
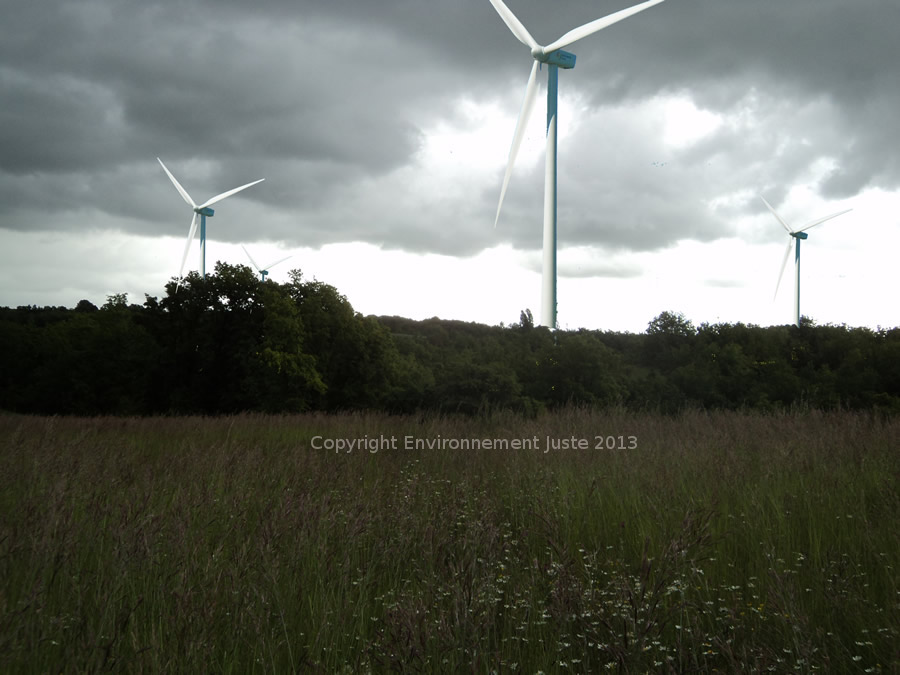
(231, 343)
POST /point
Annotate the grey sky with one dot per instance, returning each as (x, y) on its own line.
(330, 102)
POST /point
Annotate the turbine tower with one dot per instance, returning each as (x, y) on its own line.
(795, 237)
(555, 58)
(203, 211)
(263, 271)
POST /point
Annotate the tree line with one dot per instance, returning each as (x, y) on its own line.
(232, 343)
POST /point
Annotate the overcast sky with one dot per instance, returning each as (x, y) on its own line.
(382, 129)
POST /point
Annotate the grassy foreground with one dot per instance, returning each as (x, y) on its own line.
(704, 542)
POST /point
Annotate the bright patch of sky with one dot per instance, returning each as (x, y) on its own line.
(684, 123)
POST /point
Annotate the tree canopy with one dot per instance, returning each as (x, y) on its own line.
(231, 343)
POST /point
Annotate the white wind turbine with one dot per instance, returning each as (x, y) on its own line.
(203, 211)
(263, 271)
(555, 58)
(796, 236)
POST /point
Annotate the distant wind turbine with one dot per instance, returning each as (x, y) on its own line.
(796, 236)
(263, 271)
(203, 211)
(555, 58)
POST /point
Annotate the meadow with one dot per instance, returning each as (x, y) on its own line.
(698, 542)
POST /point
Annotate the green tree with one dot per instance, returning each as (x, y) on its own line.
(671, 324)
(578, 369)
(354, 354)
(470, 387)
(287, 378)
(234, 343)
(526, 320)
(669, 341)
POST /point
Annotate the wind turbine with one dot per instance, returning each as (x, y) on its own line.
(263, 271)
(797, 236)
(555, 58)
(203, 211)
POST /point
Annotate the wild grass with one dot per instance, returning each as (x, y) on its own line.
(721, 542)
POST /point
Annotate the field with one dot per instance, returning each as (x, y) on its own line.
(699, 542)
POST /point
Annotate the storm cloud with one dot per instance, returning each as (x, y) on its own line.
(334, 104)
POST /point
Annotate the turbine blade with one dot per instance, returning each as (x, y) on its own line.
(777, 217)
(515, 25)
(218, 198)
(598, 24)
(524, 114)
(184, 194)
(187, 246)
(277, 262)
(822, 220)
(251, 258)
(787, 252)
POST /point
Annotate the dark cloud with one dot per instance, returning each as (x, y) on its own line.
(330, 101)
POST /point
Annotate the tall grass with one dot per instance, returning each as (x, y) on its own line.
(721, 541)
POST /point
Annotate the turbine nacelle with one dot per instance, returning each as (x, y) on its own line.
(208, 212)
(800, 235)
(557, 58)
